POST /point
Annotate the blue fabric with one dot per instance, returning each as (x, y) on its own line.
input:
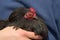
(49, 10)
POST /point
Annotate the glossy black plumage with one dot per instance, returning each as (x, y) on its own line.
(17, 20)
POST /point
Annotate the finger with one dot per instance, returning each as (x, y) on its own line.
(28, 34)
(32, 35)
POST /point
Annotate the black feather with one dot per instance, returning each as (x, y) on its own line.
(17, 20)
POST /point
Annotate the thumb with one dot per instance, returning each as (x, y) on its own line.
(28, 34)
(32, 35)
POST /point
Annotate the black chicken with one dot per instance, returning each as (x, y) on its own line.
(27, 19)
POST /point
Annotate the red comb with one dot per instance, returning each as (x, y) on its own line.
(32, 10)
(31, 14)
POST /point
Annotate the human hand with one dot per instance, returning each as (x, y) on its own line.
(11, 34)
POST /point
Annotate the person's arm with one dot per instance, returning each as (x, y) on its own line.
(11, 34)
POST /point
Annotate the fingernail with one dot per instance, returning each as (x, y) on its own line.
(39, 37)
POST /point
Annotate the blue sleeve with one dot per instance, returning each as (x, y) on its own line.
(49, 10)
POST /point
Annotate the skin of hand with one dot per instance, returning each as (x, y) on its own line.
(11, 34)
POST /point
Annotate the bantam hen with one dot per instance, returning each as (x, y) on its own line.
(27, 19)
